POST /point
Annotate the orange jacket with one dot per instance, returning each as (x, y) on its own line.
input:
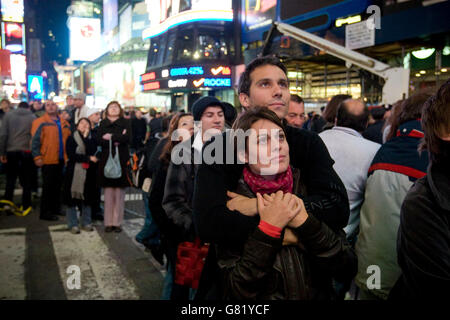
(45, 139)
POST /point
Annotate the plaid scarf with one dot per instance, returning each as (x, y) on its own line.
(283, 181)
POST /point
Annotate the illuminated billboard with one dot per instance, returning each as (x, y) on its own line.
(13, 37)
(12, 10)
(35, 87)
(110, 15)
(18, 68)
(187, 77)
(85, 39)
(259, 13)
(125, 25)
(165, 14)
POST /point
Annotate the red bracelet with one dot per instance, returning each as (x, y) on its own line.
(269, 229)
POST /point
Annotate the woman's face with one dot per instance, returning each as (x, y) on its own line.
(268, 150)
(113, 110)
(187, 124)
(83, 126)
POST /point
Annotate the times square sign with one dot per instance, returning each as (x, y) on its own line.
(187, 77)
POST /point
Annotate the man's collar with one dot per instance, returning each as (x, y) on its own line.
(351, 131)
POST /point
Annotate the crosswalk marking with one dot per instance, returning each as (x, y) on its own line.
(12, 260)
(101, 277)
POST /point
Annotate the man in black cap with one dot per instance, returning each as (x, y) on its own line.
(179, 189)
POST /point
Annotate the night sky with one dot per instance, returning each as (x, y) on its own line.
(49, 18)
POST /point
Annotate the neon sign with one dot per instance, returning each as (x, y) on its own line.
(186, 71)
(148, 76)
(164, 14)
(180, 83)
(151, 86)
(217, 82)
(226, 71)
(187, 77)
(35, 86)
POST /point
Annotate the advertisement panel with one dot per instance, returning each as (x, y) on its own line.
(18, 68)
(259, 13)
(125, 25)
(34, 54)
(35, 87)
(164, 14)
(140, 19)
(85, 39)
(110, 15)
(188, 77)
(13, 37)
(12, 10)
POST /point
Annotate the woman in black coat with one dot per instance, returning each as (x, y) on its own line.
(117, 129)
(80, 149)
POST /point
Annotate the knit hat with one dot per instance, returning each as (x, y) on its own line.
(201, 104)
(80, 96)
(91, 111)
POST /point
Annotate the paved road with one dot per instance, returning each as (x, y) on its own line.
(42, 260)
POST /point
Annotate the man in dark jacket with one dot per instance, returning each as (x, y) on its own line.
(179, 188)
(15, 151)
(265, 83)
(423, 243)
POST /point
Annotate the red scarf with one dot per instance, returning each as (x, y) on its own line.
(284, 182)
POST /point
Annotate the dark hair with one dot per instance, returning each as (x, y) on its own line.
(245, 81)
(165, 123)
(246, 119)
(410, 109)
(114, 102)
(377, 112)
(24, 105)
(329, 114)
(5, 100)
(296, 98)
(167, 150)
(436, 122)
(81, 119)
(350, 120)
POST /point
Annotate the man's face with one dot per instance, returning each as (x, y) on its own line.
(37, 105)
(4, 106)
(78, 103)
(269, 88)
(213, 118)
(138, 114)
(69, 101)
(296, 114)
(51, 108)
(94, 118)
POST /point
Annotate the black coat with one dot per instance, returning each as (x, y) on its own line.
(263, 269)
(121, 133)
(71, 147)
(423, 242)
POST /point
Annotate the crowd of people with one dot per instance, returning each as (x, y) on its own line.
(351, 204)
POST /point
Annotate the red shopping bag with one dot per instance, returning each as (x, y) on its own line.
(190, 260)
